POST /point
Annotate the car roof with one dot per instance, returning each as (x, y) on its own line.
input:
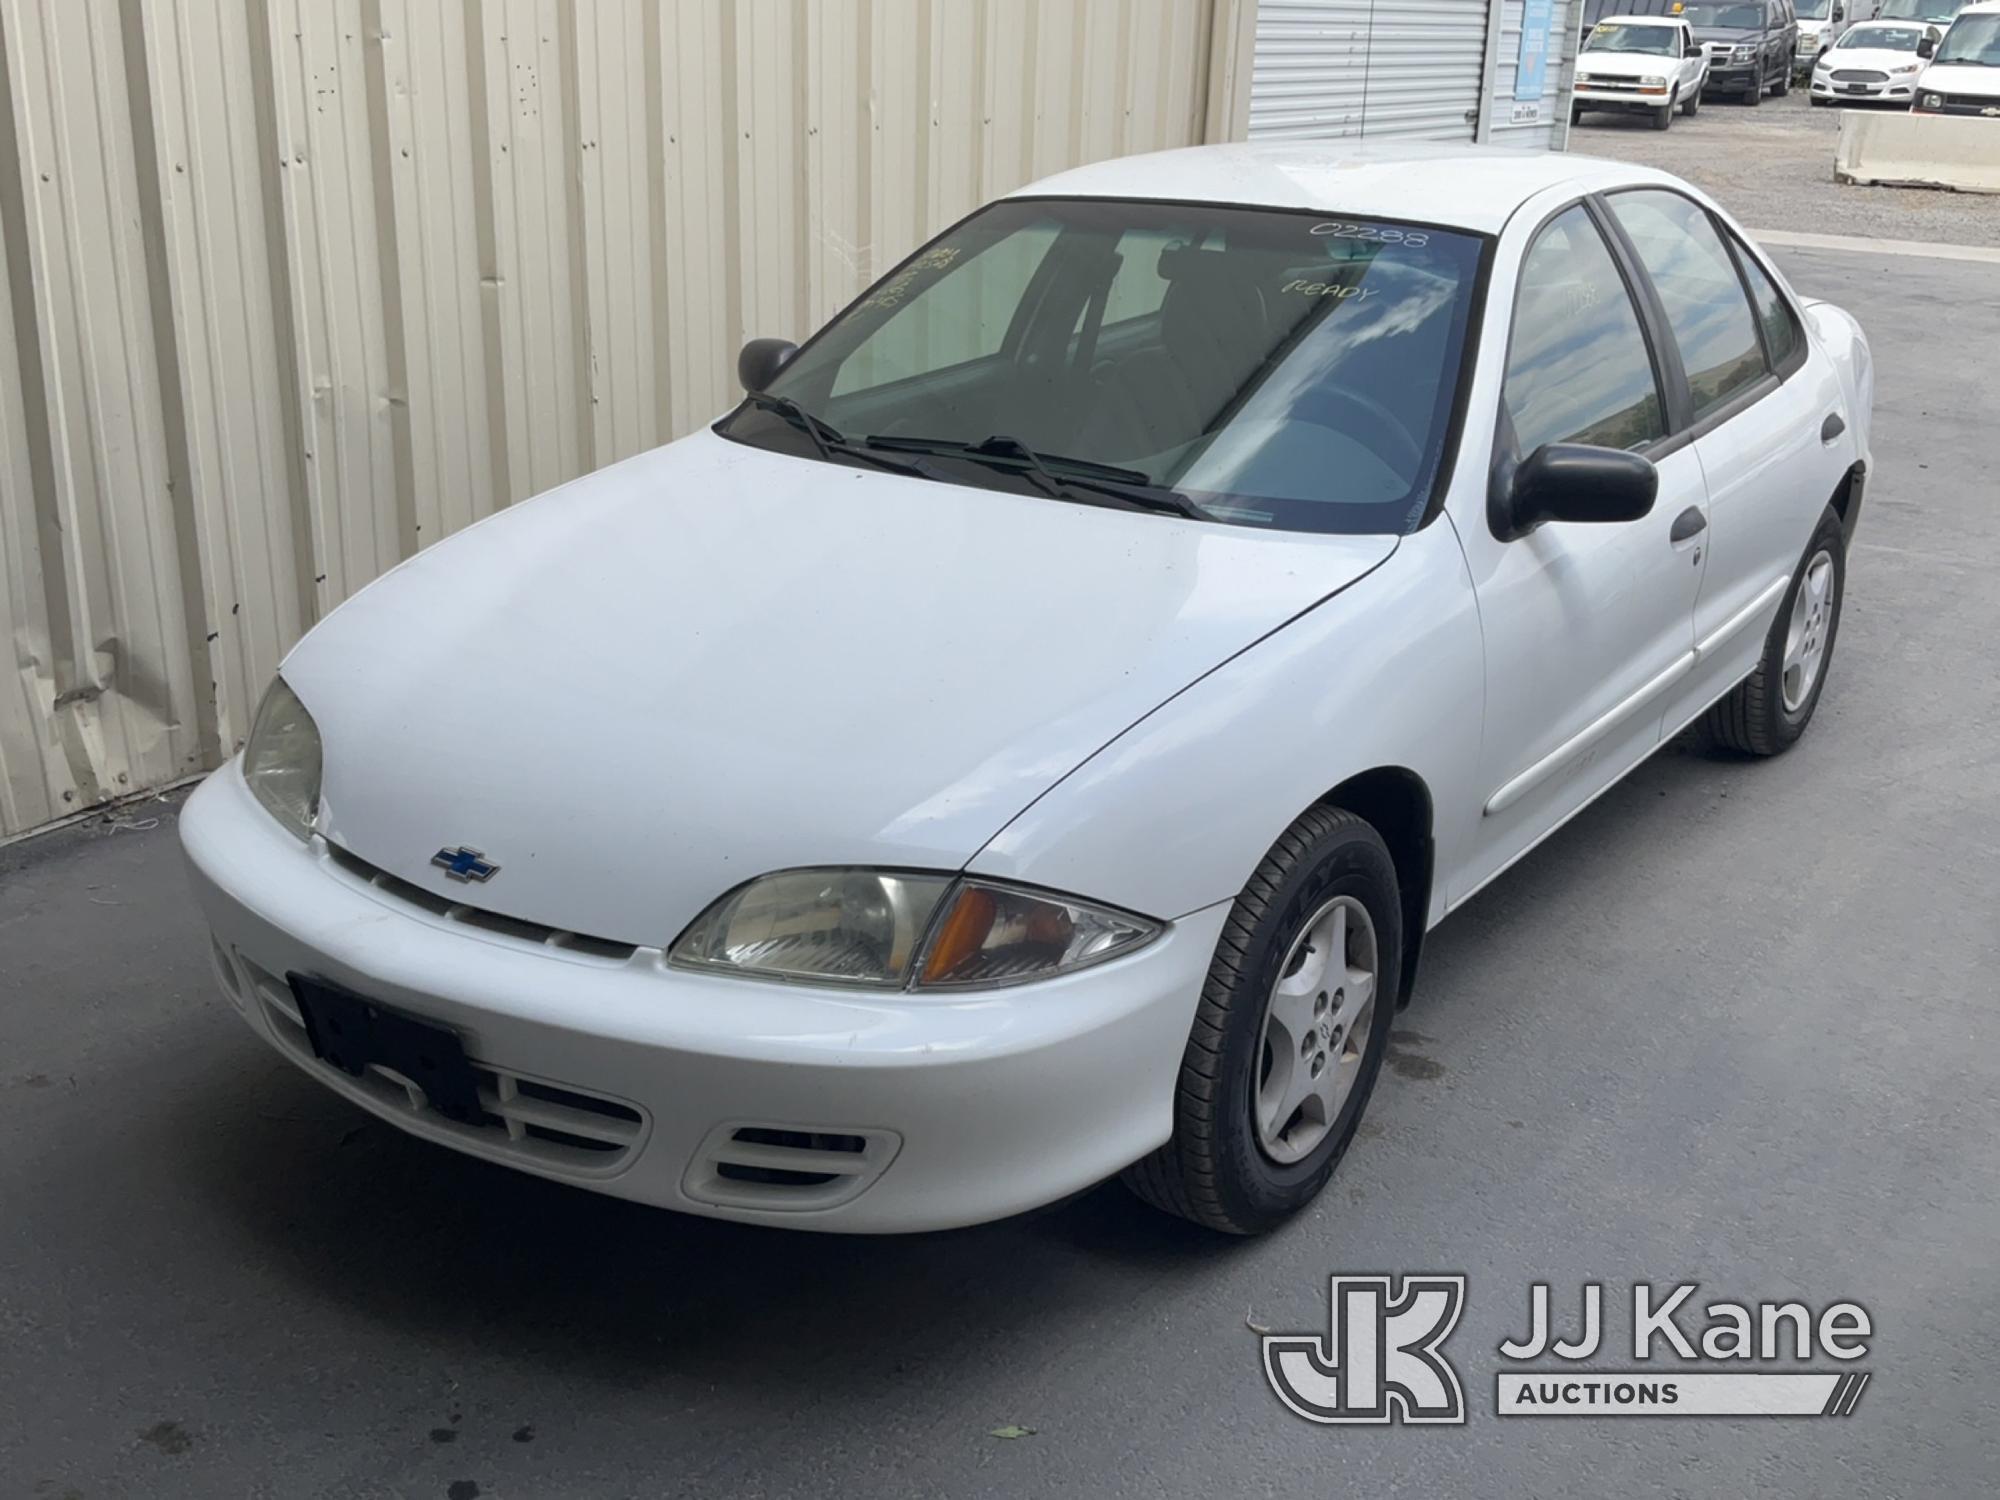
(1643, 21)
(1466, 187)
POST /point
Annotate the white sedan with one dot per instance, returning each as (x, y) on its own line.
(1877, 62)
(1029, 738)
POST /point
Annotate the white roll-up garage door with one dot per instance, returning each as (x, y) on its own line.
(1375, 68)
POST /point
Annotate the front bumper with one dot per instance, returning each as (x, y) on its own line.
(1597, 96)
(960, 1109)
(1733, 78)
(1893, 92)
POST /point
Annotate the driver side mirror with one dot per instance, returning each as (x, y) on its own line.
(1927, 46)
(761, 360)
(1573, 482)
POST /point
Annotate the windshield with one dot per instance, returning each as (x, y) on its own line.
(1972, 39)
(1919, 10)
(1288, 370)
(1614, 36)
(1814, 10)
(1731, 17)
(1881, 39)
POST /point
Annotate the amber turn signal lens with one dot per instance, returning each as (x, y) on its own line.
(961, 935)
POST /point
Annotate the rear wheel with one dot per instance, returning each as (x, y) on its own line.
(1289, 1034)
(1771, 707)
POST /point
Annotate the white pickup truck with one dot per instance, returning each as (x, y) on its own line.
(1650, 63)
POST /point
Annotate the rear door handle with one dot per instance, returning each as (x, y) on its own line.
(1832, 427)
(1689, 523)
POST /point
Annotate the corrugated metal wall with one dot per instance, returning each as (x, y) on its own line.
(1408, 69)
(294, 287)
(1383, 69)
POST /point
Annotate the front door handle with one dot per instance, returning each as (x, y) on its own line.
(1689, 523)
(1832, 427)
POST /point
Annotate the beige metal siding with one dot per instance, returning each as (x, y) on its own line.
(295, 287)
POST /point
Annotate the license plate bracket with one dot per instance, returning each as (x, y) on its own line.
(352, 1032)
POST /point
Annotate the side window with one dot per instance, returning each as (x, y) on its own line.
(1697, 281)
(1578, 367)
(1782, 334)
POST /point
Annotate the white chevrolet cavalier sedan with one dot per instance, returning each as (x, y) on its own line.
(1028, 739)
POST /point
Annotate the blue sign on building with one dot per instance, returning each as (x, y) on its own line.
(1532, 75)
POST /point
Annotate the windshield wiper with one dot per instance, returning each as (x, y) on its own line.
(1054, 474)
(829, 441)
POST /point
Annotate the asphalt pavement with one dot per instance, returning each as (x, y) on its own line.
(1773, 166)
(1735, 1025)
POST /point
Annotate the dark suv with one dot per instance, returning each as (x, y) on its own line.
(1749, 42)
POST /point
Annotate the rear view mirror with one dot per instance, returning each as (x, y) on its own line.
(761, 360)
(1573, 482)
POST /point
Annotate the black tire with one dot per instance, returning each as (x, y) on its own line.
(1691, 106)
(1663, 119)
(1214, 1170)
(1784, 84)
(1753, 719)
(1818, 103)
(1575, 115)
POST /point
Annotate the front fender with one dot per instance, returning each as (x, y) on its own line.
(1175, 813)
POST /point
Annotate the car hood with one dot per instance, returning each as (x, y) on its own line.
(1872, 59)
(1731, 34)
(712, 661)
(1962, 78)
(1626, 64)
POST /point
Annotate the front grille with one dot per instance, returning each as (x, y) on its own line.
(533, 1120)
(465, 915)
(787, 1166)
(1970, 104)
(1858, 75)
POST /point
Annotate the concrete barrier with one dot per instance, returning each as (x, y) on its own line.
(1937, 151)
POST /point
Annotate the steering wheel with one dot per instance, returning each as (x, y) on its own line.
(1385, 434)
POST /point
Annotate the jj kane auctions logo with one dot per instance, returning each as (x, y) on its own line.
(1382, 1357)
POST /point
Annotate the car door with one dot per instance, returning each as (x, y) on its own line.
(1694, 61)
(1765, 424)
(1587, 627)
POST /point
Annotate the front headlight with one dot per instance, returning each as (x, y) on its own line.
(1931, 101)
(1905, 72)
(1744, 54)
(282, 760)
(1653, 81)
(889, 930)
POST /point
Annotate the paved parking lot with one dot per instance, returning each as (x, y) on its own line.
(1774, 166)
(1734, 1025)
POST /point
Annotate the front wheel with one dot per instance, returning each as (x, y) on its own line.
(1575, 114)
(1289, 1034)
(1783, 86)
(1769, 709)
(1691, 106)
(1754, 95)
(1663, 119)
